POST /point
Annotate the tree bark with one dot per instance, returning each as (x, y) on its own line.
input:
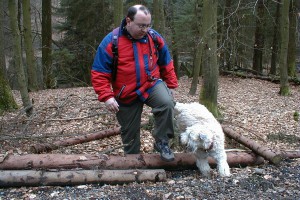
(274, 56)
(7, 100)
(22, 83)
(259, 38)
(39, 148)
(130, 161)
(118, 12)
(209, 91)
(158, 16)
(2, 53)
(284, 36)
(198, 49)
(174, 37)
(49, 81)
(291, 154)
(273, 157)
(13, 178)
(31, 64)
(292, 46)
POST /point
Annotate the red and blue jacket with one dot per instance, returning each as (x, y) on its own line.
(140, 67)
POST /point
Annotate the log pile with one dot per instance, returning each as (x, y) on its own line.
(62, 169)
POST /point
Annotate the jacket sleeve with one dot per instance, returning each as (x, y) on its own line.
(166, 65)
(101, 70)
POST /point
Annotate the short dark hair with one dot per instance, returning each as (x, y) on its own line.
(133, 10)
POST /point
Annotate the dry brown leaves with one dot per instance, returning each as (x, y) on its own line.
(250, 107)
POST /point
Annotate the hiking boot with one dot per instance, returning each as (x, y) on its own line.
(166, 153)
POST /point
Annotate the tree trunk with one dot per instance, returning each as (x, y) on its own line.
(259, 38)
(31, 64)
(174, 37)
(13, 178)
(209, 91)
(292, 46)
(118, 12)
(22, 84)
(284, 35)
(273, 157)
(274, 56)
(130, 161)
(7, 100)
(198, 49)
(46, 44)
(158, 16)
(226, 36)
(39, 148)
(2, 54)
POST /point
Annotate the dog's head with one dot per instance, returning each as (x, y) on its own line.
(196, 137)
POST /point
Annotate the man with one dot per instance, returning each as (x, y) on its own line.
(144, 75)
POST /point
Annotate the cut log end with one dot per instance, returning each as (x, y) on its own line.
(276, 159)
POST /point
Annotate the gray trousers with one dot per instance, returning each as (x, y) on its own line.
(129, 117)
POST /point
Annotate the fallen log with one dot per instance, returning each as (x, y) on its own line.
(291, 154)
(46, 147)
(16, 178)
(130, 161)
(273, 157)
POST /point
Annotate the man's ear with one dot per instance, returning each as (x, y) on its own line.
(128, 20)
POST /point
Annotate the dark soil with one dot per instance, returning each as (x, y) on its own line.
(259, 182)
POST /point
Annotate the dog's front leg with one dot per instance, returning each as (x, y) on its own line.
(222, 165)
(202, 162)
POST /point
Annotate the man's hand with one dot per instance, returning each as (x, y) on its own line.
(112, 105)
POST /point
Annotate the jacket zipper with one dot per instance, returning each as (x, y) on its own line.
(119, 94)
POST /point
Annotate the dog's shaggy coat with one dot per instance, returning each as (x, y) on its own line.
(202, 134)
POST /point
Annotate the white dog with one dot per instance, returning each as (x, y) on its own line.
(203, 135)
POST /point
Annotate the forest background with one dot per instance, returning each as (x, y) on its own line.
(51, 44)
(47, 48)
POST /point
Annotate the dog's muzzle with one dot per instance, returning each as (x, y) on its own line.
(210, 147)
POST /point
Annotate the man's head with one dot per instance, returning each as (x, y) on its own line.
(138, 21)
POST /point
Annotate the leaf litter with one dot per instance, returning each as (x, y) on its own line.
(250, 107)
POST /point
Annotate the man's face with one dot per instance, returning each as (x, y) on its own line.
(139, 26)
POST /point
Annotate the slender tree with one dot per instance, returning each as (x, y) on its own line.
(118, 12)
(30, 60)
(46, 44)
(259, 38)
(6, 98)
(174, 48)
(275, 41)
(292, 47)
(170, 21)
(209, 91)
(158, 16)
(2, 55)
(284, 36)
(226, 33)
(198, 48)
(18, 57)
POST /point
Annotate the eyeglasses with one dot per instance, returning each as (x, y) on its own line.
(143, 26)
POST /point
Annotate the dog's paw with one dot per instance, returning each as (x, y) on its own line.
(224, 171)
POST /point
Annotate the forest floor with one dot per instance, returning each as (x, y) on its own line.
(250, 107)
